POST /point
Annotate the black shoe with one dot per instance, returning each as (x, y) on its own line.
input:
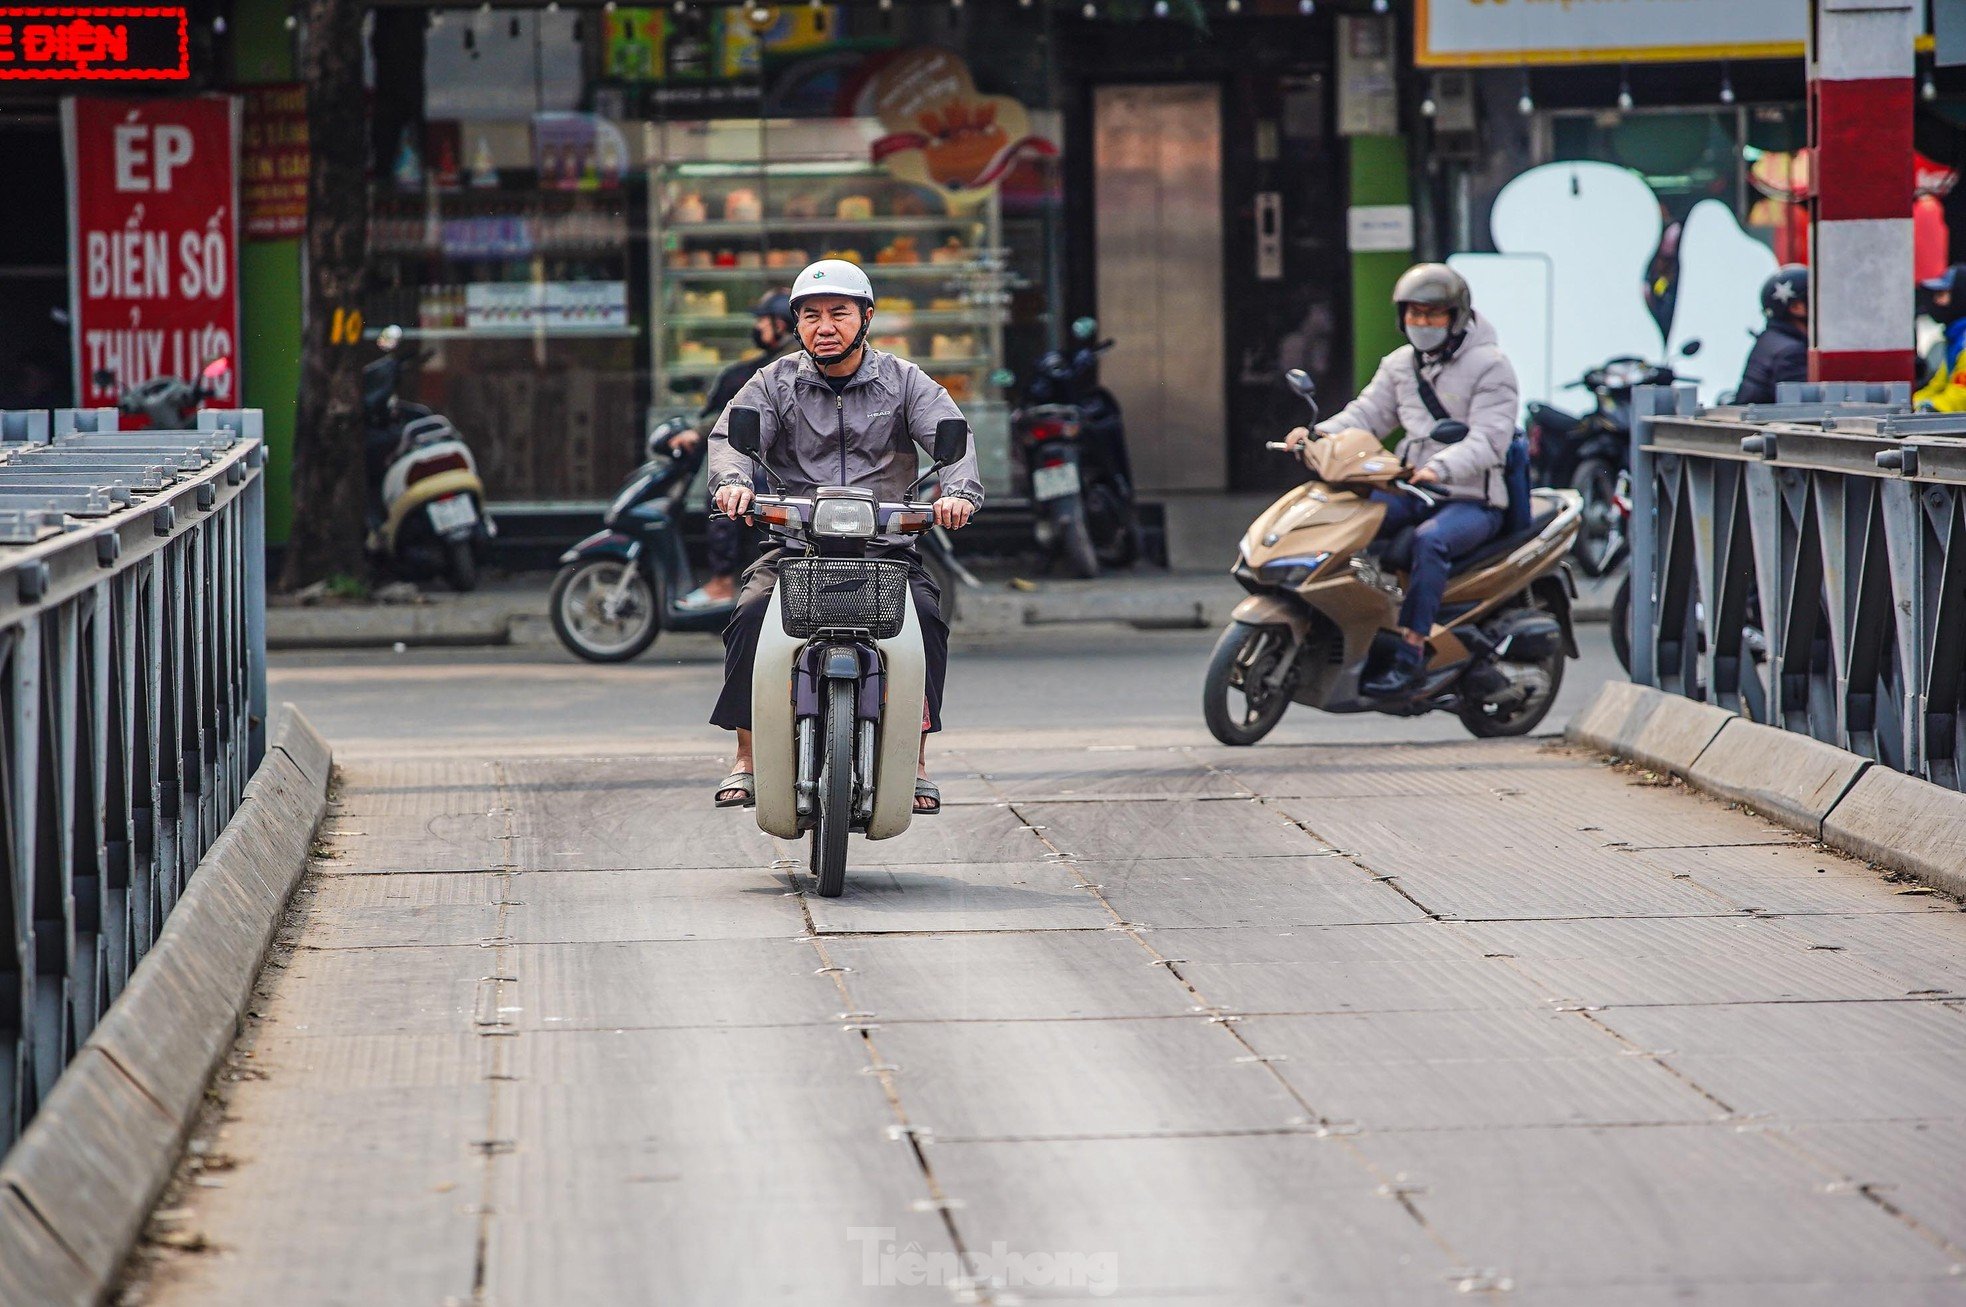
(1401, 677)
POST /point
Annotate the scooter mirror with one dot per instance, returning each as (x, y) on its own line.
(746, 432)
(1300, 381)
(951, 440)
(1085, 328)
(104, 379)
(1690, 348)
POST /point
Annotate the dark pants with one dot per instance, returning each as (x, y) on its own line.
(1442, 535)
(726, 543)
(733, 710)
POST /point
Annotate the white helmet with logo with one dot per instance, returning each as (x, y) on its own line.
(833, 277)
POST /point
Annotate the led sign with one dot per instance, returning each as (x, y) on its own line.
(53, 43)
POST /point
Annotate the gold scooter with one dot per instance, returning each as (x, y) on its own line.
(1324, 597)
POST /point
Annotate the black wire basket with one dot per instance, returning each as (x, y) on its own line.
(842, 594)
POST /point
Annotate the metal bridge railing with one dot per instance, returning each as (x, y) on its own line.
(1804, 563)
(132, 703)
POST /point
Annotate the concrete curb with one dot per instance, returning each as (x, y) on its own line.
(1663, 731)
(1905, 824)
(78, 1186)
(1846, 801)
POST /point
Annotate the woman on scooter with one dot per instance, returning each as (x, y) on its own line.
(773, 335)
(840, 413)
(1454, 393)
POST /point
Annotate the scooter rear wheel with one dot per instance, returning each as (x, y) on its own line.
(1245, 655)
(835, 791)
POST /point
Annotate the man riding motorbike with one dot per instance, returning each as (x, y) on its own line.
(1454, 393)
(1943, 299)
(838, 413)
(1781, 351)
(773, 335)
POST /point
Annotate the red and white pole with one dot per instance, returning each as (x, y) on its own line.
(1861, 100)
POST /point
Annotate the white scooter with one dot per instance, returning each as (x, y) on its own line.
(431, 501)
(839, 683)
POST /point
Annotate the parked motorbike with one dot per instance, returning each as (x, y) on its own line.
(427, 509)
(621, 587)
(1324, 598)
(1588, 453)
(838, 690)
(1073, 440)
(167, 403)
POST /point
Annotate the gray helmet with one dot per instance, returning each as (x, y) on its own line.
(1434, 283)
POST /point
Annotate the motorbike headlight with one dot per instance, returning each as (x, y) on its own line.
(1292, 571)
(843, 517)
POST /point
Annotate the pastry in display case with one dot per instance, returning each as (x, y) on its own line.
(724, 234)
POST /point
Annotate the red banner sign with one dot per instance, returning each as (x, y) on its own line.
(153, 241)
(273, 165)
(52, 43)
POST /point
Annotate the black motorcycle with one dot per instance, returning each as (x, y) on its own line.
(1072, 437)
(621, 587)
(1588, 454)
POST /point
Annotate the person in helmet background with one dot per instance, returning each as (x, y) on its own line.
(1943, 299)
(1454, 393)
(837, 413)
(1781, 351)
(773, 335)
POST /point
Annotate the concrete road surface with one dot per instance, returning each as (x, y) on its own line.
(1138, 1019)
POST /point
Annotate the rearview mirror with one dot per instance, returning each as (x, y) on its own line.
(1085, 328)
(746, 432)
(104, 379)
(951, 440)
(1300, 381)
(1690, 348)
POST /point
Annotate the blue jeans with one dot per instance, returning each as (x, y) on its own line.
(1445, 533)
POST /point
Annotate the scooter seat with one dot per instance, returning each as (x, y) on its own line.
(1397, 553)
(1554, 419)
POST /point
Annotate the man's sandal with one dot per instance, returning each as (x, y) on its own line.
(926, 789)
(744, 782)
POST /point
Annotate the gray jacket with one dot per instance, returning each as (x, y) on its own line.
(1477, 386)
(864, 436)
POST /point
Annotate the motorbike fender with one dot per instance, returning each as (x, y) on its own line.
(602, 544)
(1556, 597)
(842, 663)
(1274, 610)
(898, 741)
(445, 484)
(773, 740)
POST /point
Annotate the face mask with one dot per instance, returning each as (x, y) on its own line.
(760, 339)
(1427, 339)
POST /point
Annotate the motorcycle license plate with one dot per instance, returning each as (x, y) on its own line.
(1054, 482)
(455, 513)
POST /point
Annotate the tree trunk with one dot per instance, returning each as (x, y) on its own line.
(330, 494)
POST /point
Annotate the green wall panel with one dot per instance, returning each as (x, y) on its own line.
(1378, 176)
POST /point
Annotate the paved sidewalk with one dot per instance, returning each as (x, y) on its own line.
(1295, 1024)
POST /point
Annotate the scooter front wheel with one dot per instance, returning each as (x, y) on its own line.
(602, 614)
(1238, 699)
(835, 791)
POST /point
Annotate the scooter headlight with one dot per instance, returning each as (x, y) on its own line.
(853, 518)
(1292, 571)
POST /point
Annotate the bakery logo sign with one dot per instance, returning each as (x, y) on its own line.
(941, 131)
(1486, 33)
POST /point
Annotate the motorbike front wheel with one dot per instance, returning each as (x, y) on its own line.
(594, 621)
(461, 565)
(835, 792)
(1621, 624)
(1240, 668)
(1601, 538)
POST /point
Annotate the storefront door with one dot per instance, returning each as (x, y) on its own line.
(1158, 215)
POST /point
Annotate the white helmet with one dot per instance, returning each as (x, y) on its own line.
(833, 277)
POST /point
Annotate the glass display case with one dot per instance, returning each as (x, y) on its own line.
(520, 299)
(725, 231)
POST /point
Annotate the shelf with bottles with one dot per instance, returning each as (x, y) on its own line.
(890, 320)
(498, 225)
(577, 305)
(764, 276)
